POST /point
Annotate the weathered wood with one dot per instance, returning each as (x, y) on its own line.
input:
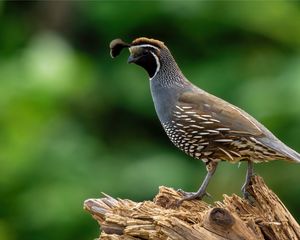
(234, 218)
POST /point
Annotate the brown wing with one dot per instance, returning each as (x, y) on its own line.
(227, 115)
(222, 130)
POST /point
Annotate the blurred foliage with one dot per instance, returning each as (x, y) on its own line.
(75, 123)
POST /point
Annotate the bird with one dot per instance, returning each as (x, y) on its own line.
(200, 124)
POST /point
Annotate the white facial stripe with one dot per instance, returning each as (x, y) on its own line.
(157, 65)
(146, 45)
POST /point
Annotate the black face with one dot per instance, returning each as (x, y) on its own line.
(143, 56)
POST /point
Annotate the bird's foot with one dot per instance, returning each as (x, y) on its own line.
(192, 195)
(246, 194)
(211, 168)
(250, 173)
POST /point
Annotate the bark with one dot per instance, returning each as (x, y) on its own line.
(265, 217)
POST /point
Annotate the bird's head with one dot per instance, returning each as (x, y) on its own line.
(145, 52)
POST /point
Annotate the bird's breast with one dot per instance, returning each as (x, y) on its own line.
(164, 99)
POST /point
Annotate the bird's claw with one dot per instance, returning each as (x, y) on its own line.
(247, 195)
(191, 196)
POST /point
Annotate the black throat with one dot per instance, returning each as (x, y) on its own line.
(148, 62)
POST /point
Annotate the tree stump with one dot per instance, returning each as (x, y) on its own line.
(265, 217)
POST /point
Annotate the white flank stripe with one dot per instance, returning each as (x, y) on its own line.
(227, 153)
(223, 129)
(186, 107)
(179, 108)
(223, 140)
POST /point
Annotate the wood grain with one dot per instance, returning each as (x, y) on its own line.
(265, 217)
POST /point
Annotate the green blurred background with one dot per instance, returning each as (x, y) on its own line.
(75, 123)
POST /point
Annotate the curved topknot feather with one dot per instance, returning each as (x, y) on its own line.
(116, 46)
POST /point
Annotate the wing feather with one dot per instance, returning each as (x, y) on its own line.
(227, 115)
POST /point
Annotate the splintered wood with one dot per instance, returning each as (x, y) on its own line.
(265, 217)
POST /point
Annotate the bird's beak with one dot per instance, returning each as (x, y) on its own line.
(134, 54)
(131, 59)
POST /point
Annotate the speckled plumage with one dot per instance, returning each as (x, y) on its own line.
(202, 125)
(222, 133)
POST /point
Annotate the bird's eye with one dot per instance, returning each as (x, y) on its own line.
(146, 52)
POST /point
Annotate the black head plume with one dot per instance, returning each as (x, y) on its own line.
(116, 46)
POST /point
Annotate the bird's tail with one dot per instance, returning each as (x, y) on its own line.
(292, 154)
(297, 157)
(284, 150)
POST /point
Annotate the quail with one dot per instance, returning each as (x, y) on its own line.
(200, 124)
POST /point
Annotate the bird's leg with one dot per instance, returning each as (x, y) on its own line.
(249, 175)
(211, 168)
